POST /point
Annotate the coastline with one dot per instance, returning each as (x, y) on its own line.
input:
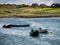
(28, 16)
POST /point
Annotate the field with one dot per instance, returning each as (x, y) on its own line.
(29, 12)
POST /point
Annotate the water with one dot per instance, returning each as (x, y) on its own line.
(20, 35)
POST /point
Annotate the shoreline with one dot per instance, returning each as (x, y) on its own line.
(28, 16)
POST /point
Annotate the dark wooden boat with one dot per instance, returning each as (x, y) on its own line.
(11, 25)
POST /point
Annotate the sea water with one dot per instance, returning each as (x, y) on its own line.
(21, 35)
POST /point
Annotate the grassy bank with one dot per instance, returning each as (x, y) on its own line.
(29, 12)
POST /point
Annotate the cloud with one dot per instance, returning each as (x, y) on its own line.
(56, 1)
(48, 2)
(10, 1)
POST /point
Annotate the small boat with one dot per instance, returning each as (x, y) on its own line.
(34, 33)
(43, 31)
(11, 25)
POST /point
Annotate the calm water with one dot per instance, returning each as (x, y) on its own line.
(20, 35)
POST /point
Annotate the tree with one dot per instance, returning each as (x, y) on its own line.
(34, 5)
(55, 5)
(42, 5)
(24, 5)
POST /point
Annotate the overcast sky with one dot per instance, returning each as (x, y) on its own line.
(48, 2)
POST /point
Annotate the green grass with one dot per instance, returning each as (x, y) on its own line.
(57, 10)
(40, 12)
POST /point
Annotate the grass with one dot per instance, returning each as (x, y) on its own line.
(29, 12)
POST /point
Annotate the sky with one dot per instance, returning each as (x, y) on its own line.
(47, 2)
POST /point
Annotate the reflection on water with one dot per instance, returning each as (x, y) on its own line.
(20, 35)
